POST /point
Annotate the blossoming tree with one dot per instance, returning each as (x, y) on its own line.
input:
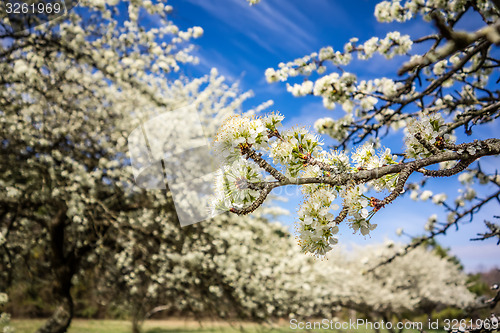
(71, 92)
(233, 268)
(415, 284)
(448, 88)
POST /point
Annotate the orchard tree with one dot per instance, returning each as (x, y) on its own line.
(415, 284)
(233, 268)
(421, 281)
(228, 268)
(71, 92)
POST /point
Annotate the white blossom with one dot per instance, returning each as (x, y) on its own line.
(425, 195)
(439, 199)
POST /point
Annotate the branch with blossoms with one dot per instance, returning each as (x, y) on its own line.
(444, 84)
(329, 179)
(459, 59)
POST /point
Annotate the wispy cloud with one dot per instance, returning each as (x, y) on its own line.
(210, 58)
(274, 27)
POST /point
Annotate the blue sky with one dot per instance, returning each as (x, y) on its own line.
(241, 41)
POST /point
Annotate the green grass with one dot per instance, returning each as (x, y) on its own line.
(77, 326)
(120, 326)
(169, 326)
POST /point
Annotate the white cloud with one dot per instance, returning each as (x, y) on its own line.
(284, 27)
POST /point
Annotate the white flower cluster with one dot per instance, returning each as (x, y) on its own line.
(317, 225)
(237, 132)
(300, 89)
(466, 194)
(466, 178)
(232, 185)
(387, 86)
(437, 199)
(365, 158)
(335, 88)
(232, 181)
(440, 67)
(358, 203)
(394, 43)
(431, 222)
(290, 151)
(390, 11)
(336, 129)
(298, 153)
(343, 88)
(428, 128)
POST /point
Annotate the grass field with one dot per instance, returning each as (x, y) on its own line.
(153, 326)
(172, 326)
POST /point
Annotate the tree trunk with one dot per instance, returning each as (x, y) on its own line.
(385, 317)
(63, 268)
(371, 319)
(136, 325)
(60, 319)
(138, 317)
